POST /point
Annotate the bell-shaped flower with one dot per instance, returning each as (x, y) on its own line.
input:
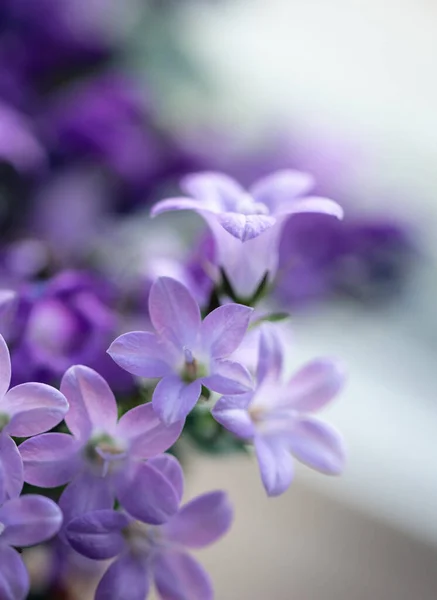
(24, 521)
(149, 554)
(278, 418)
(247, 225)
(25, 410)
(185, 353)
(104, 458)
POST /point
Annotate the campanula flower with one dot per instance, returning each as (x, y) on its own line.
(25, 410)
(147, 553)
(185, 352)
(104, 457)
(24, 521)
(278, 418)
(247, 224)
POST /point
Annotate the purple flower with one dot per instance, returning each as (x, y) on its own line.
(184, 352)
(18, 144)
(25, 410)
(24, 521)
(247, 224)
(146, 552)
(278, 418)
(104, 458)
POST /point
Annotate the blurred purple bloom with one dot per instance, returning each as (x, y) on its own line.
(18, 143)
(147, 553)
(103, 458)
(184, 352)
(25, 410)
(278, 418)
(64, 321)
(247, 224)
(24, 521)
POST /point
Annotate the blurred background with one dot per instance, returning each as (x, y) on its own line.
(105, 105)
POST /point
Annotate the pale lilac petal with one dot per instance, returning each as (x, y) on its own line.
(232, 413)
(176, 204)
(146, 434)
(149, 496)
(92, 403)
(245, 227)
(316, 384)
(98, 534)
(84, 494)
(33, 408)
(11, 469)
(29, 520)
(228, 377)
(171, 469)
(140, 353)
(174, 312)
(178, 575)
(281, 186)
(51, 459)
(271, 352)
(14, 579)
(127, 577)
(318, 445)
(224, 328)
(216, 191)
(275, 464)
(201, 522)
(311, 204)
(173, 399)
(5, 369)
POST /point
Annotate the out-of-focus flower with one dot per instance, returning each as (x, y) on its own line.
(184, 352)
(24, 521)
(66, 320)
(25, 410)
(19, 145)
(103, 458)
(147, 553)
(362, 258)
(278, 418)
(247, 225)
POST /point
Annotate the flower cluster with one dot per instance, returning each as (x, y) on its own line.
(94, 470)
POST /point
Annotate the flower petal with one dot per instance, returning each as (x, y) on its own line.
(201, 522)
(313, 204)
(178, 575)
(224, 328)
(98, 534)
(245, 227)
(127, 577)
(33, 408)
(313, 386)
(51, 459)
(228, 377)
(171, 469)
(270, 355)
(318, 445)
(174, 312)
(11, 469)
(140, 353)
(232, 413)
(172, 204)
(92, 403)
(275, 464)
(14, 579)
(5, 369)
(149, 496)
(86, 493)
(29, 520)
(146, 433)
(173, 399)
(216, 191)
(281, 186)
